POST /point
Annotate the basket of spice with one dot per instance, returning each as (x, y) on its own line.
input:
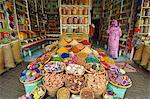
(75, 69)
(97, 83)
(53, 82)
(63, 93)
(86, 93)
(75, 83)
(55, 66)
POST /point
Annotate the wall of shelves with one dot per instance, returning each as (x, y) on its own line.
(8, 30)
(75, 16)
(122, 11)
(144, 23)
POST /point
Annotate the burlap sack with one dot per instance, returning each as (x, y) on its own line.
(1, 59)
(16, 50)
(138, 53)
(145, 56)
(8, 56)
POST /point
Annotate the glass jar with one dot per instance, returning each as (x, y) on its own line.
(69, 20)
(80, 20)
(80, 11)
(63, 11)
(146, 3)
(74, 11)
(64, 20)
(69, 9)
(85, 11)
(69, 29)
(86, 20)
(85, 29)
(75, 20)
(80, 29)
(141, 29)
(146, 21)
(146, 29)
(143, 13)
(64, 29)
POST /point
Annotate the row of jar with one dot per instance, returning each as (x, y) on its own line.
(75, 2)
(145, 29)
(74, 20)
(145, 21)
(146, 12)
(74, 11)
(77, 29)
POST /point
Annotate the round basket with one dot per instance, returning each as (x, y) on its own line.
(120, 86)
(55, 62)
(101, 68)
(51, 90)
(69, 85)
(29, 86)
(63, 93)
(100, 84)
(77, 73)
(90, 92)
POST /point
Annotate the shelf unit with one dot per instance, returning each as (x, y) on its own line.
(22, 16)
(144, 23)
(122, 11)
(8, 31)
(106, 19)
(96, 5)
(53, 18)
(33, 14)
(75, 16)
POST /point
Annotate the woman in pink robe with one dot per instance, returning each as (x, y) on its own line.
(114, 32)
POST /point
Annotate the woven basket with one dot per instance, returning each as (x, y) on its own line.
(62, 69)
(85, 90)
(51, 90)
(67, 84)
(97, 91)
(60, 94)
(83, 72)
(120, 86)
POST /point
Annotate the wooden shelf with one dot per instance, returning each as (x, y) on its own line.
(21, 11)
(75, 24)
(20, 4)
(146, 7)
(74, 5)
(145, 16)
(76, 15)
(144, 24)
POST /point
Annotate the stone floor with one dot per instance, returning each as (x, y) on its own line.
(11, 88)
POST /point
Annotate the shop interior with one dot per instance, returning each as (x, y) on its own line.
(75, 49)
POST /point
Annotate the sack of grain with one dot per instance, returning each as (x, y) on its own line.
(16, 50)
(145, 56)
(8, 56)
(138, 53)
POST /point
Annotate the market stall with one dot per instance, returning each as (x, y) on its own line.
(73, 70)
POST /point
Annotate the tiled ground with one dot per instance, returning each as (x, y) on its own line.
(11, 88)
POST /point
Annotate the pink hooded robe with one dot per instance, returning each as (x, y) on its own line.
(114, 32)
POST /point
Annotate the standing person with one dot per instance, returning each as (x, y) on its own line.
(114, 32)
